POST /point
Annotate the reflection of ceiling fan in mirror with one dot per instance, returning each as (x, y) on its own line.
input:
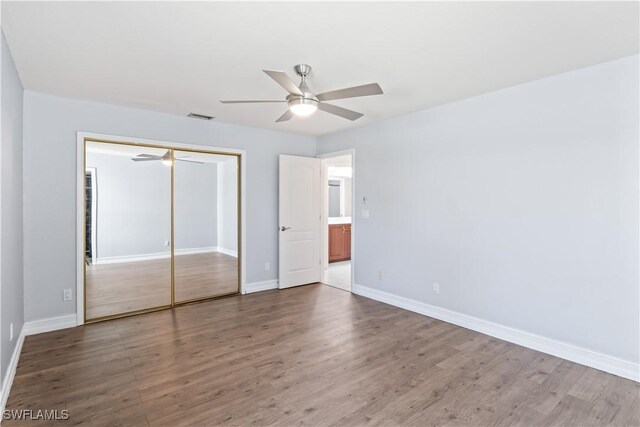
(165, 158)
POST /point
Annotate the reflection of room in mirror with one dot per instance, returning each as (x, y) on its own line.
(129, 227)
(205, 225)
(131, 214)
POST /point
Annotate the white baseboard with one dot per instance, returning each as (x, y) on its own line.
(583, 356)
(30, 328)
(50, 324)
(7, 381)
(131, 258)
(191, 251)
(162, 255)
(260, 286)
(226, 251)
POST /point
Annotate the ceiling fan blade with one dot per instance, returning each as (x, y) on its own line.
(286, 116)
(339, 111)
(283, 80)
(351, 92)
(190, 161)
(149, 155)
(250, 102)
(145, 159)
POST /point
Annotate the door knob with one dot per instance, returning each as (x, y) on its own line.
(283, 228)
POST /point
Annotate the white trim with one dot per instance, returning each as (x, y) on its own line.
(7, 381)
(30, 328)
(131, 258)
(226, 251)
(158, 255)
(80, 137)
(49, 324)
(324, 251)
(260, 286)
(80, 213)
(583, 356)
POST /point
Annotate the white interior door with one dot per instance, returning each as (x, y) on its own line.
(299, 243)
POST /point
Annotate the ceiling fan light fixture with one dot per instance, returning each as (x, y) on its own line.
(166, 159)
(303, 106)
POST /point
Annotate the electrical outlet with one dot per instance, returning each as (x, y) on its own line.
(380, 275)
(436, 288)
(11, 332)
(267, 266)
(167, 243)
(66, 295)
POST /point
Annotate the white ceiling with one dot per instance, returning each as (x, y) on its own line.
(181, 57)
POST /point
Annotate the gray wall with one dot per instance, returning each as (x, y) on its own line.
(196, 205)
(11, 265)
(50, 185)
(522, 204)
(133, 206)
(228, 205)
(348, 196)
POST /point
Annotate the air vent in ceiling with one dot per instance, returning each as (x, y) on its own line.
(200, 116)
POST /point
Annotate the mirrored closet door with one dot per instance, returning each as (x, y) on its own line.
(128, 219)
(205, 225)
(161, 228)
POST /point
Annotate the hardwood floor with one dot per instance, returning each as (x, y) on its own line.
(312, 355)
(130, 286)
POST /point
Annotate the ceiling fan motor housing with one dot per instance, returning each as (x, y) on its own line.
(307, 97)
(303, 69)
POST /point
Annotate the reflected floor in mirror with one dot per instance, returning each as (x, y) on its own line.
(124, 287)
(205, 275)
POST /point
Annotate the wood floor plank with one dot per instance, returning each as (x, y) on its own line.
(312, 355)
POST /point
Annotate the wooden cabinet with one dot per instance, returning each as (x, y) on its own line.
(339, 242)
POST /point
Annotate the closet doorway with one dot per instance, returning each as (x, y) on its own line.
(164, 227)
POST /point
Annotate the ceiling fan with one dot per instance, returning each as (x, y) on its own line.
(303, 102)
(165, 158)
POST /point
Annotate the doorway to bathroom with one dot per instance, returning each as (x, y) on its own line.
(337, 260)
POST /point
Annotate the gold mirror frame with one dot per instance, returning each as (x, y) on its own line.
(173, 304)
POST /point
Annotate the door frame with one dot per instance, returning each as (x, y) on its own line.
(80, 214)
(324, 206)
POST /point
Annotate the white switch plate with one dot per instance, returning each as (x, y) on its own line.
(436, 288)
(167, 243)
(66, 295)
(267, 266)
(365, 213)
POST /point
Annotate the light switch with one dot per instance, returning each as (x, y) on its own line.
(365, 213)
